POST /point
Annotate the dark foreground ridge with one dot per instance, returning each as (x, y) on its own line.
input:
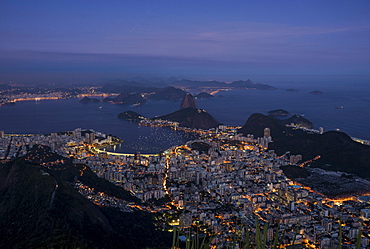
(41, 209)
(337, 151)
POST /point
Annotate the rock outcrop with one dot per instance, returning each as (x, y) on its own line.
(188, 102)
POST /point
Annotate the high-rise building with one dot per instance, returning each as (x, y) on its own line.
(353, 232)
(365, 213)
(92, 138)
(1, 134)
(295, 159)
(185, 220)
(137, 158)
(327, 224)
(266, 133)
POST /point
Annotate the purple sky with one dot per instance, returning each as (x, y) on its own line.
(88, 39)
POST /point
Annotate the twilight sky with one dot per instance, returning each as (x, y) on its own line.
(89, 39)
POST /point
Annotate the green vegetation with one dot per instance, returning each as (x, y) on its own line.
(294, 172)
(27, 221)
(255, 238)
(338, 152)
(136, 230)
(41, 209)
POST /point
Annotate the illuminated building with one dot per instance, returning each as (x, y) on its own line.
(186, 220)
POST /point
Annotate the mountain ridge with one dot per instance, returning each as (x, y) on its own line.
(337, 151)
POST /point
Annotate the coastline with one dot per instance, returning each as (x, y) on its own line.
(329, 119)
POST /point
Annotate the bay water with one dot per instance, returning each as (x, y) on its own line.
(230, 108)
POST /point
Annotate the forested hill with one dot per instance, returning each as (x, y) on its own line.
(41, 209)
(337, 151)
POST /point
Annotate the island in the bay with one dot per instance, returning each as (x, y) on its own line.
(316, 93)
(292, 90)
(279, 112)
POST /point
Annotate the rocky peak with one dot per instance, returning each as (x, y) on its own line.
(188, 102)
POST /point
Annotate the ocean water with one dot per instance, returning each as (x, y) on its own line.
(354, 118)
(233, 108)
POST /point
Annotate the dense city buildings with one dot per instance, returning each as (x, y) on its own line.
(222, 184)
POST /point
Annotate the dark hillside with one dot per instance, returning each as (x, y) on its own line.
(39, 208)
(32, 218)
(192, 118)
(337, 150)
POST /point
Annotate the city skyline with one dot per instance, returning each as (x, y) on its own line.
(50, 41)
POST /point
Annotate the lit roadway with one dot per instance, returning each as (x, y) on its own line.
(53, 194)
(122, 154)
